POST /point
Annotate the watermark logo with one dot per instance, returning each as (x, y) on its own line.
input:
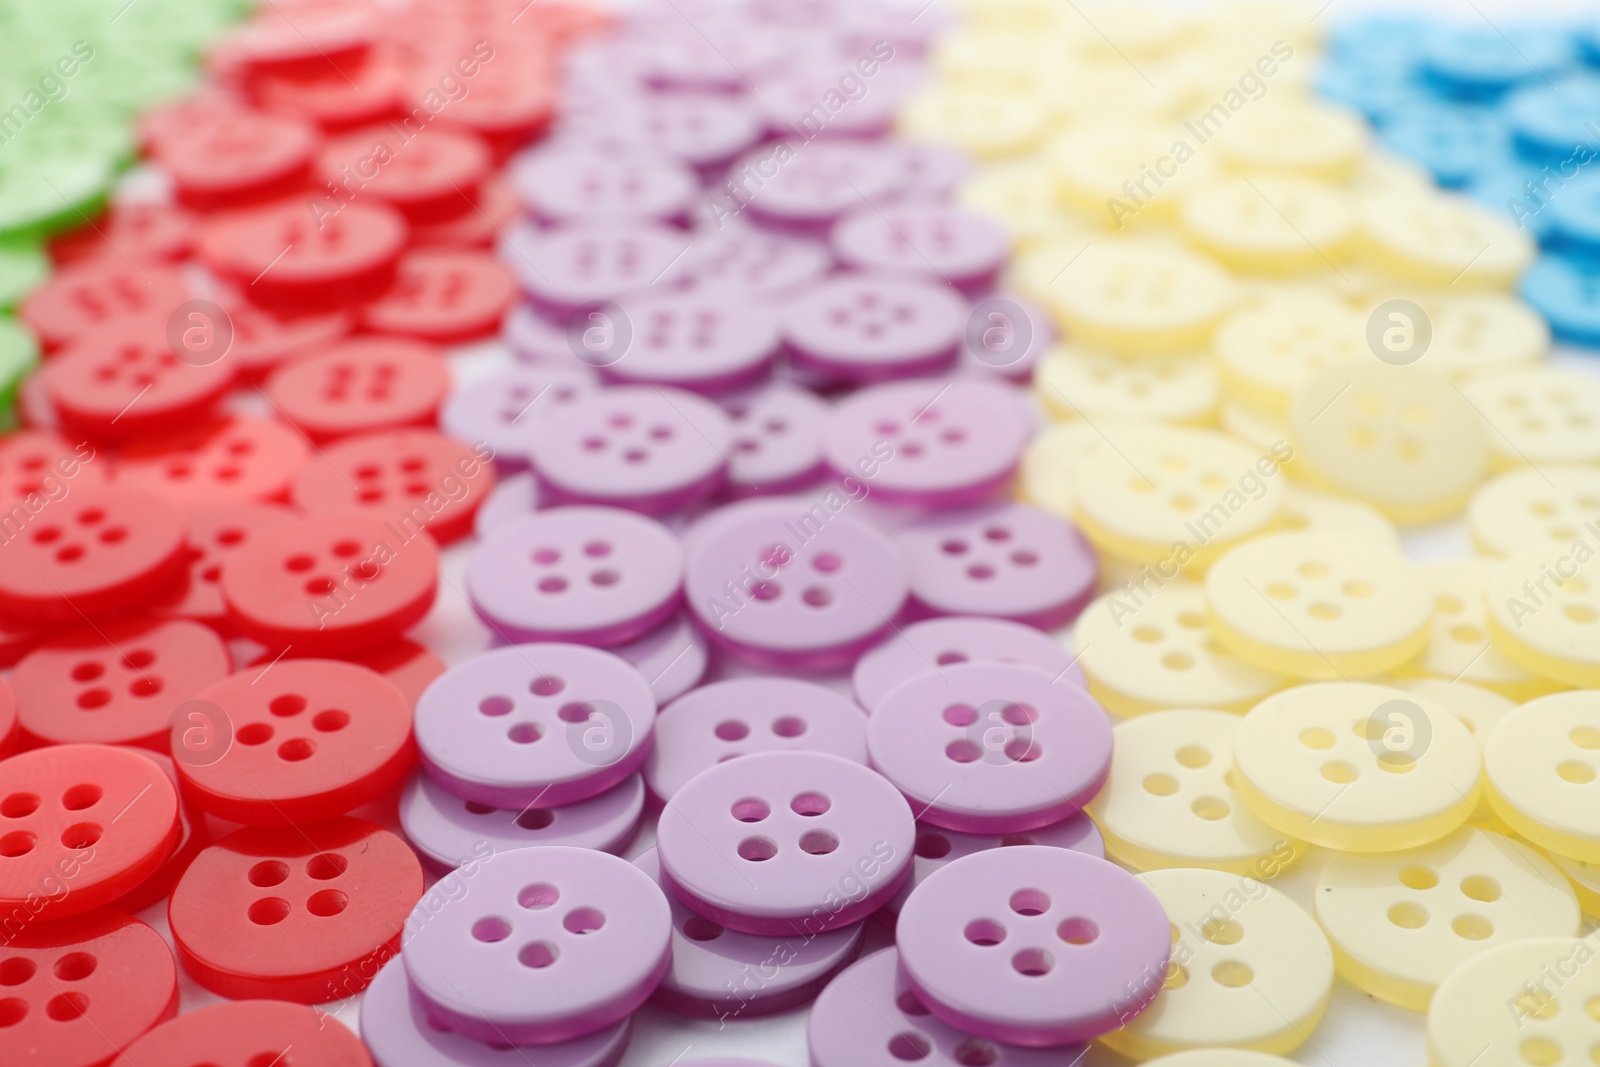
(1399, 332)
(199, 332)
(999, 333)
(1399, 733)
(600, 335)
(598, 732)
(201, 733)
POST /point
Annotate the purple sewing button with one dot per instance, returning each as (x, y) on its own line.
(575, 266)
(595, 576)
(794, 583)
(672, 658)
(647, 448)
(936, 847)
(793, 106)
(785, 843)
(937, 444)
(777, 440)
(513, 498)
(704, 340)
(561, 184)
(1012, 561)
(538, 945)
(871, 1017)
(868, 328)
(449, 831)
(536, 725)
(1006, 335)
(991, 747)
(724, 974)
(1035, 946)
(533, 338)
(736, 258)
(934, 643)
(803, 188)
(928, 169)
(705, 130)
(717, 722)
(499, 410)
(958, 247)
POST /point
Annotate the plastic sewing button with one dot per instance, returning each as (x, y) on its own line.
(1538, 415)
(1306, 509)
(1249, 968)
(1479, 709)
(673, 658)
(1443, 240)
(961, 248)
(33, 463)
(777, 439)
(262, 341)
(1032, 945)
(213, 534)
(785, 843)
(1499, 1006)
(987, 123)
(1541, 768)
(493, 207)
(1139, 296)
(1542, 604)
(699, 340)
(934, 643)
(230, 1035)
(84, 298)
(561, 184)
(361, 385)
(426, 177)
(216, 461)
(1076, 383)
(750, 260)
(535, 725)
(1564, 290)
(705, 130)
(235, 157)
(159, 233)
(447, 296)
(866, 327)
(80, 825)
(535, 338)
(1459, 648)
(1300, 137)
(1481, 332)
(807, 188)
(740, 716)
(1481, 62)
(571, 267)
(499, 410)
(1268, 350)
(1271, 223)
(542, 945)
(936, 846)
(1548, 504)
(123, 381)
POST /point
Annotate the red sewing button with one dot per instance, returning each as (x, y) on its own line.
(495, 205)
(214, 533)
(82, 297)
(80, 825)
(321, 34)
(444, 295)
(410, 666)
(216, 461)
(235, 156)
(249, 1033)
(294, 913)
(193, 835)
(367, 91)
(262, 340)
(76, 992)
(141, 232)
(508, 104)
(367, 383)
(10, 726)
(36, 467)
(425, 175)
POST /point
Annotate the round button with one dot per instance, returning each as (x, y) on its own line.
(426, 179)
(214, 534)
(777, 440)
(193, 835)
(447, 296)
(263, 1031)
(83, 298)
(565, 183)
(35, 463)
(573, 266)
(216, 461)
(865, 328)
(752, 260)
(1494, 1009)
(364, 384)
(698, 340)
(958, 247)
(935, 643)
(936, 846)
(235, 155)
(501, 408)
(673, 658)
(1542, 767)
(805, 188)
(262, 340)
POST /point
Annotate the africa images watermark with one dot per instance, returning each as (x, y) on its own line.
(1538, 191)
(1560, 570)
(51, 486)
(52, 86)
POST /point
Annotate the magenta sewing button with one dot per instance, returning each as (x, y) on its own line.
(777, 439)
(750, 260)
(1006, 336)
(871, 1017)
(558, 184)
(500, 410)
(516, 497)
(538, 945)
(641, 447)
(785, 843)
(450, 831)
(399, 1031)
(535, 725)
(706, 340)
(740, 716)
(804, 188)
(991, 747)
(794, 583)
(936, 847)
(1008, 560)
(1035, 946)
(580, 264)
(935, 643)
(958, 247)
(870, 327)
(727, 975)
(672, 658)
(939, 444)
(596, 576)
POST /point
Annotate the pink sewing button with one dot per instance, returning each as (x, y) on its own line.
(804, 188)
(948, 244)
(706, 340)
(777, 439)
(399, 1031)
(672, 658)
(1035, 946)
(539, 945)
(449, 831)
(930, 443)
(576, 265)
(937, 643)
(500, 410)
(641, 447)
(596, 576)
(732, 718)
(936, 846)
(561, 184)
(516, 497)
(794, 583)
(535, 725)
(725, 974)
(785, 843)
(1007, 560)
(871, 1017)
(746, 259)
(870, 327)
(1006, 335)
(991, 747)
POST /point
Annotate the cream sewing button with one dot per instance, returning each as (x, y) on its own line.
(1145, 647)
(1249, 969)
(1307, 509)
(1258, 427)
(1319, 605)
(1045, 475)
(1113, 32)
(1539, 415)
(1269, 350)
(1078, 383)
(1169, 801)
(1039, 271)
(1381, 174)
(1401, 438)
(1585, 880)
(1221, 1057)
(1401, 922)
(1482, 332)
(1543, 762)
(1356, 766)
(1533, 1002)
(990, 124)
(1298, 137)
(1442, 239)
(1141, 296)
(1122, 174)
(1552, 504)
(1270, 223)
(1544, 610)
(1098, 93)
(1480, 710)
(1458, 647)
(1018, 194)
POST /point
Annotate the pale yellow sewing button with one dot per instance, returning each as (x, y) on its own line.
(1480, 710)
(1401, 438)
(1539, 415)
(1169, 801)
(1552, 504)
(1221, 1057)
(1306, 509)
(1276, 224)
(1356, 767)
(1544, 610)
(1077, 383)
(1442, 239)
(1534, 1002)
(1295, 136)
(1145, 647)
(1249, 969)
(1256, 427)
(1039, 270)
(1119, 174)
(990, 124)
(1543, 762)
(1018, 194)
(1317, 604)
(1045, 476)
(1482, 332)
(1401, 922)
(1096, 91)
(1015, 16)
(1585, 879)
(1115, 32)
(1271, 349)
(1131, 295)
(1458, 646)
(1381, 174)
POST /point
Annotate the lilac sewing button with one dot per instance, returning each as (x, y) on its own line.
(792, 107)
(705, 130)
(533, 338)
(537, 725)
(960, 248)
(740, 716)
(927, 169)
(923, 646)
(871, 327)
(803, 188)
(513, 498)
(1035, 946)
(449, 831)
(575, 266)
(871, 1017)
(702, 339)
(648, 448)
(727, 975)
(1006, 335)
(399, 1031)
(595, 576)
(936, 847)
(1012, 561)
(562, 184)
(777, 439)
(794, 583)
(745, 259)
(991, 747)
(672, 658)
(499, 410)
(937, 444)
(785, 843)
(538, 945)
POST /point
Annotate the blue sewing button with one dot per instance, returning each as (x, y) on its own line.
(1566, 291)
(1483, 62)
(1574, 212)
(1374, 90)
(1392, 41)
(1521, 192)
(1557, 124)
(1455, 143)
